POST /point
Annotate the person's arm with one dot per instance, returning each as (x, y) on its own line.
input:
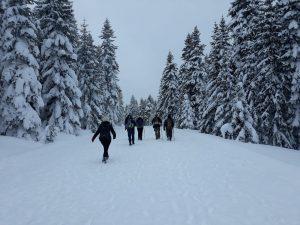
(113, 132)
(96, 134)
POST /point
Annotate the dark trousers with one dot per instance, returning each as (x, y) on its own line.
(140, 133)
(169, 133)
(105, 143)
(130, 135)
(157, 132)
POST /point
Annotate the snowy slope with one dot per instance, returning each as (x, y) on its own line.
(198, 179)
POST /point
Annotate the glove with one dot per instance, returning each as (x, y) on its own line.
(114, 137)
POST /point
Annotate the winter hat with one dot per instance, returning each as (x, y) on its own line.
(105, 118)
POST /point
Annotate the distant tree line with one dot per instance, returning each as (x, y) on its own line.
(248, 87)
(53, 78)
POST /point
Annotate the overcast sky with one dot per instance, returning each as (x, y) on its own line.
(146, 30)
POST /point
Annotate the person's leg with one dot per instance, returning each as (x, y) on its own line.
(158, 132)
(107, 144)
(169, 134)
(138, 130)
(129, 136)
(142, 129)
(132, 136)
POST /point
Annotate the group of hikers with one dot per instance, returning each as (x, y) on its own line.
(106, 129)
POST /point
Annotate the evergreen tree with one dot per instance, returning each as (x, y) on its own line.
(244, 16)
(187, 114)
(109, 69)
(133, 107)
(150, 110)
(87, 76)
(288, 14)
(2, 8)
(168, 94)
(142, 108)
(271, 103)
(60, 92)
(240, 125)
(192, 73)
(219, 88)
(21, 96)
(213, 68)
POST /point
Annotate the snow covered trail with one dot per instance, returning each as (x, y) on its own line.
(196, 180)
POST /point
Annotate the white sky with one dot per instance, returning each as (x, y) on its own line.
(146, 30)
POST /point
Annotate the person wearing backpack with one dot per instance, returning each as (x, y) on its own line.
(140, 127)
(104, 130)
(129, 126)
(169, 126)
(157, 122)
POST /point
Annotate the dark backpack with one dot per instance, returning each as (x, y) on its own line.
(169, 124)
(129, 124)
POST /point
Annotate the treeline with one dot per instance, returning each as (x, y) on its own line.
(145, 108)
(53, 77)
(248, 87)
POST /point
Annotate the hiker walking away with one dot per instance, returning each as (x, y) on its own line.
(157, 122)
(129, 126)
(169, 126)
(140, 127)
(104, 130)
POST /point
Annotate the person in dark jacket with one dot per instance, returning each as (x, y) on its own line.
(169, 126)
(157, 122)
(129, 126)
(104, 131)
(140, 127)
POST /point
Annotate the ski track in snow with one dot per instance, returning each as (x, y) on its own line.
(195, 180)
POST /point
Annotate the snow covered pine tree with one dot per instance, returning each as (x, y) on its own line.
(109, 69)
(241, 125)
(187, 114)
(87, 77)
(219, 89)
(21, 96)
(288, 14)
(192, 74)
(62, 111)
(168, 94)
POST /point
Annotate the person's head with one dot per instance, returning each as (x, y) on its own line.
(105, 118)
(129, 116)
(170, 116)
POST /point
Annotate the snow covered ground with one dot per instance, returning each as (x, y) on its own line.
(197, 179)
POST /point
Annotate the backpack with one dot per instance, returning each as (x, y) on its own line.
(169, 124)
(129, 124)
